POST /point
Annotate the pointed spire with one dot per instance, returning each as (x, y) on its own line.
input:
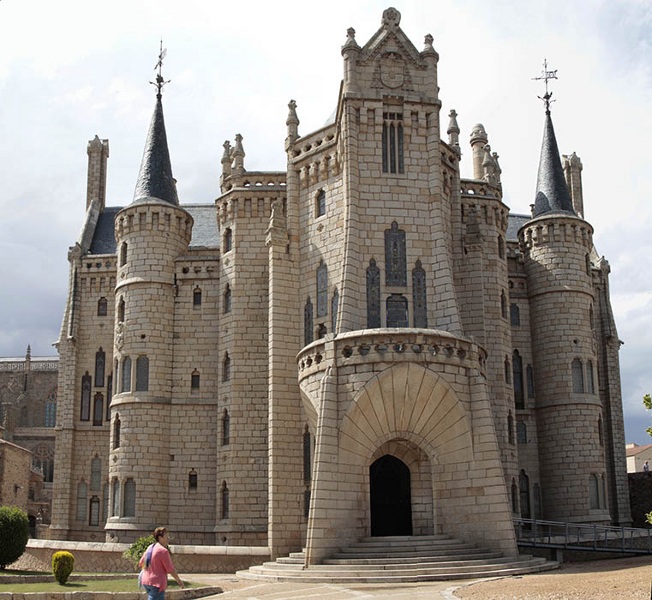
(155, 177)
(552, 194)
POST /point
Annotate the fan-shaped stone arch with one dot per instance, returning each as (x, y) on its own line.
(410, 402)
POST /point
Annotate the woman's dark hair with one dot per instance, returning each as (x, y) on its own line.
(158, 532)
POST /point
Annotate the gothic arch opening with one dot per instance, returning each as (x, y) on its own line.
(390, 497)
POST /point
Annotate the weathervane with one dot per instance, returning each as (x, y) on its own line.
(546, 75)
(160, 82)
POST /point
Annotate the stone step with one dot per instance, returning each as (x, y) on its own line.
(405, 559)
(315, 575)
(412, 559)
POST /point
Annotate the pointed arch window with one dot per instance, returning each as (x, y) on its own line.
(322, 290)
(116, 432)
(589, 377)
(320, 204)
(194, 380)
(115, 497)
(228, 239)
(517, 372)
(373, 295)
(577, 373)
(600, 431)
(395, 256)
(521, 432)
(335, 302)
(94, 515)
(419, 296)
(226, 368)
(142, 374)
(129, 499)
(100, 363)
(308, 323)
(98, 408)
(226, 428)
(196, 296)
(85, 397)
(392, 142)
(503, 305)
(126, 374)
(192, 480)
(514, 496)
(508, 373)
(43, 461)
(397, 311)
(524, 489)
(510, 428)
(102, 307)
(123, 254)
(225, 500)
(109, 395)
(96, 474)
(121, 310)
(50, 419)
(529, 376)
(82, 494)
(514, 315)
(227, 299)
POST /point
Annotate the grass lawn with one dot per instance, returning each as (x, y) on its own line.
(129, 584)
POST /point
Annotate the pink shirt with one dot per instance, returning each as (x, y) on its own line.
(161, 565)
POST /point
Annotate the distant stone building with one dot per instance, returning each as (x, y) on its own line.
(364, 344)
(637, 456)
(28, 407)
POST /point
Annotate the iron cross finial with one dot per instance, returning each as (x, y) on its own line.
(546, 75)
(160, 82)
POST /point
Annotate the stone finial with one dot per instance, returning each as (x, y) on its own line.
(238, 155)
(453, 130)
(428, 48)
(478, 141)
(28, 354)
(490, 167)
(350, 43)
(391, 18)
(292, 121)
(227, 157)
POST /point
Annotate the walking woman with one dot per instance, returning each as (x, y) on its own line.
(156, 564)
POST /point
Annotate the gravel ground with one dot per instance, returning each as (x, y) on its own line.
(624, 578)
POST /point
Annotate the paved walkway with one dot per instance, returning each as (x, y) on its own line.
(258, 590)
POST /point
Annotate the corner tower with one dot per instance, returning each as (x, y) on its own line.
(150, 234)
(557, 245)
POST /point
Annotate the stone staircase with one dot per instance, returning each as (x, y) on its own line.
(399, 559)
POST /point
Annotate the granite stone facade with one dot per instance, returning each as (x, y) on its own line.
(365, 344)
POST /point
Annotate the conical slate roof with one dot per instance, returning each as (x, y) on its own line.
(552, 192)
(155, 179)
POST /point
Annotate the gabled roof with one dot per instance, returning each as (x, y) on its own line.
(637, 449)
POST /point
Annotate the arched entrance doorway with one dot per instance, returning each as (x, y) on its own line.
(390, 498)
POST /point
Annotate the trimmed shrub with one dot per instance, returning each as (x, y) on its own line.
(137, 549)
(62, 565)
(14, 532)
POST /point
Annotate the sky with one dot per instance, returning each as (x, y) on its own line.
(73, 69)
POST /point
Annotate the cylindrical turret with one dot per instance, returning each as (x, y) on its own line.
(568, 406)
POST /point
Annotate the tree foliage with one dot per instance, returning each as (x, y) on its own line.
(647, 402)
(137, 549)
(14, 533)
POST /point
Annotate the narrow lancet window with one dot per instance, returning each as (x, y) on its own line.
(373, 295)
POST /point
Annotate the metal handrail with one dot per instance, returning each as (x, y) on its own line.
(583, 536)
